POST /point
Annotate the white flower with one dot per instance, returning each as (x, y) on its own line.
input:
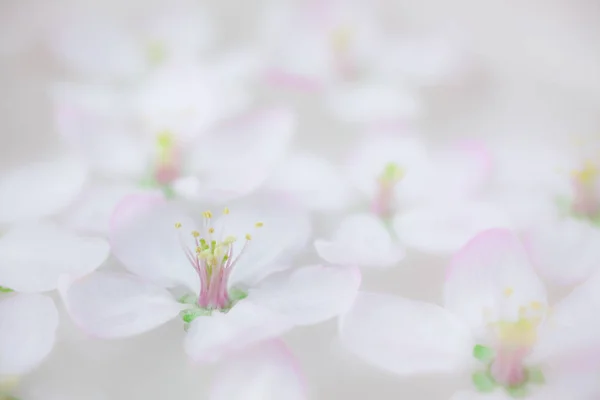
(228, 303)
(125, 48)
(411, 196)
(495, 324)
(267, 371)
(33, 257)
(342, 48)
(552, 189)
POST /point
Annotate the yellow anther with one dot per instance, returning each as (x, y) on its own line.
(587, 174)
(226, 211)
(199, 249)
(195, 234)
(178, 225)
(229, 239)
(207, 214)
(211, 230)
(248, 236)
(508, 292)
(536, 305)
(259, 225)
(341, 38)
(165, 140)
(522, 312)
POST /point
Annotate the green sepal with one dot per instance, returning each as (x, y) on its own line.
(188, 299)
(536, 376)
(483, 353)
(517, 392)
(189, 315)
(168, 191)
(484, 382)
(236, 295)
(5, 290)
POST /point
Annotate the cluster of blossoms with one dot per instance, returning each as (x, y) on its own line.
(116, 234)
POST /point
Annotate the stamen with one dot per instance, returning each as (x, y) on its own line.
(177, 225)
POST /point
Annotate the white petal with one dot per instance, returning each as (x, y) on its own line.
(221, 334)
(246, 151)
(361, 240)
(446, 227)
(40, 189)
(310, 182)
(268, 371)
(405, 336)
(284, 233)
(34, 255)
(474, 395)
(144, 238)
(565, 251)
(371, 102)
(459, 170)
(491, 278)
(28, 325)
(93, 211)
(114, 305)
(309, 295)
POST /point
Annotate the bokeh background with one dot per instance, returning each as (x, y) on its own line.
(533, 73)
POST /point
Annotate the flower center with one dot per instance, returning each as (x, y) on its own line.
(504, 360)
(156, 53)
(382, 204)
(213, 260)
(341, 39)
(584, 181)
(166, 167)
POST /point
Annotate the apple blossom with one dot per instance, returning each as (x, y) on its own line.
(368, 74)
(411, 196)
(33, 257)
(496, 325)
(228, 302)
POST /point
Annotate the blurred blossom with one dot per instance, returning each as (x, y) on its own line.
(411, 195)
(496, 325)
(367, 71)
(228, 304)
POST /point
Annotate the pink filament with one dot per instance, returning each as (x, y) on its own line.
(507, 369)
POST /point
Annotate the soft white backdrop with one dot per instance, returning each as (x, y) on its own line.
(536, 73)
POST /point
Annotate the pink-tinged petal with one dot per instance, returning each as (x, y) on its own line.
(285, 232)
(405, 336)
(444, 228)
(371, 102)
(33, 256)
(361, 240)
(309, 295)
(219, 335)
(28, 325)
(268, 371)
(115, 305)
(491, 278)
(246, 151)
(144, 238)
(93, 211)
(310, 182)
(40, 189)
(373, 153)
(565, 251)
